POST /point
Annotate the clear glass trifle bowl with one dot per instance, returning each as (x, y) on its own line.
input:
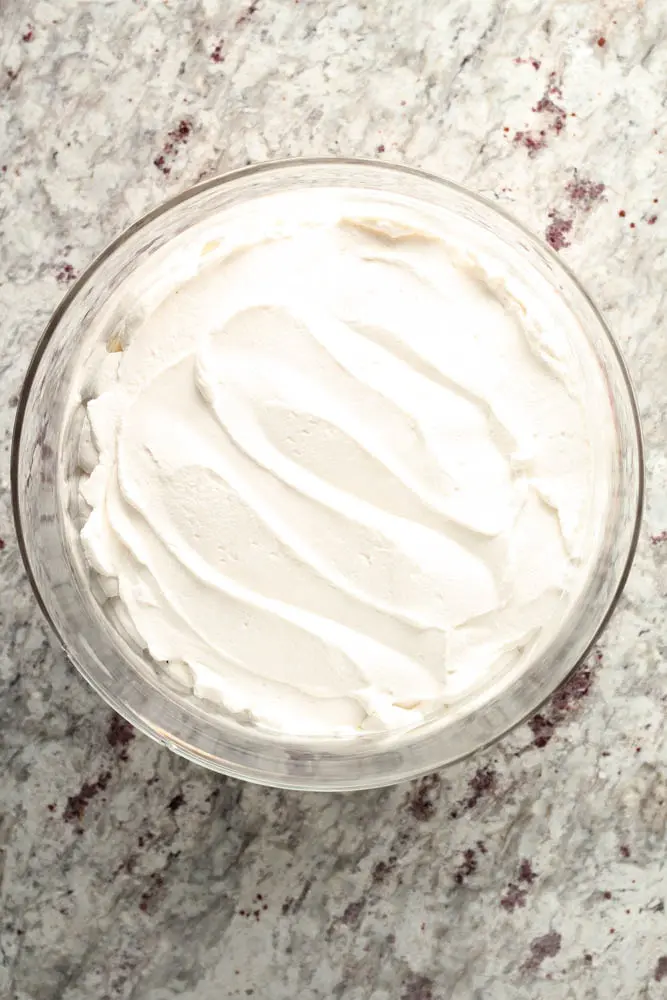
(45, 468)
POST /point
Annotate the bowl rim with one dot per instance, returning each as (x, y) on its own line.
(218, 180)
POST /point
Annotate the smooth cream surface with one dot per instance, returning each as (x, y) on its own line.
(340, 472)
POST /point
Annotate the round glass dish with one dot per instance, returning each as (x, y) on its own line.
(44, 457)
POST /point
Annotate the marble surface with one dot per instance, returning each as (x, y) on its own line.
(536, 869)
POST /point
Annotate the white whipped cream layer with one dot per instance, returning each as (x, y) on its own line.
(339, 473)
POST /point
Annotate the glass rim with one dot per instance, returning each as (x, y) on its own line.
(151, 729)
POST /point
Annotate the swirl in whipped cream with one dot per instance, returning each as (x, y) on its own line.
(339, 474)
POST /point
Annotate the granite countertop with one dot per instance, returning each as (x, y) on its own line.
(535, 869)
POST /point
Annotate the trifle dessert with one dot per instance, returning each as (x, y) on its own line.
(342, 469)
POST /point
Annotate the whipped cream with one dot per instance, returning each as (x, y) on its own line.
(338, 464)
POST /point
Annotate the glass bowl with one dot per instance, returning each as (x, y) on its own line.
(44, 457)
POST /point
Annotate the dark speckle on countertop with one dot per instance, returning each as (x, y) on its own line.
(127, 871)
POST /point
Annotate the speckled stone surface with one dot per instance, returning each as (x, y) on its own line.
(536, 869)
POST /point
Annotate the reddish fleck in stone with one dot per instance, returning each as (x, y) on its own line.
(532, 144)
(2, 544)
(557, 233)
(75, 806)
(182, 131)
(383, 869)
(542, 730)
(661, 969)
(51, 807)
(482, 782)
(564, 700)
(546, 106)
(572, 690)
(632, 225)
(175, 138)
(526, 873)
(659, 538)
(119, 734)
(352, 913)
(29, 35)
(420, 800)
(625, 851)
(514, 897)
(554, 88)
(585, 193)
(216, 54)
(622, 213)
(602, 42)
(652, 220)
(66, 273)
(543, 947)
(380, 148)
(467, 867)
(607, 894)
